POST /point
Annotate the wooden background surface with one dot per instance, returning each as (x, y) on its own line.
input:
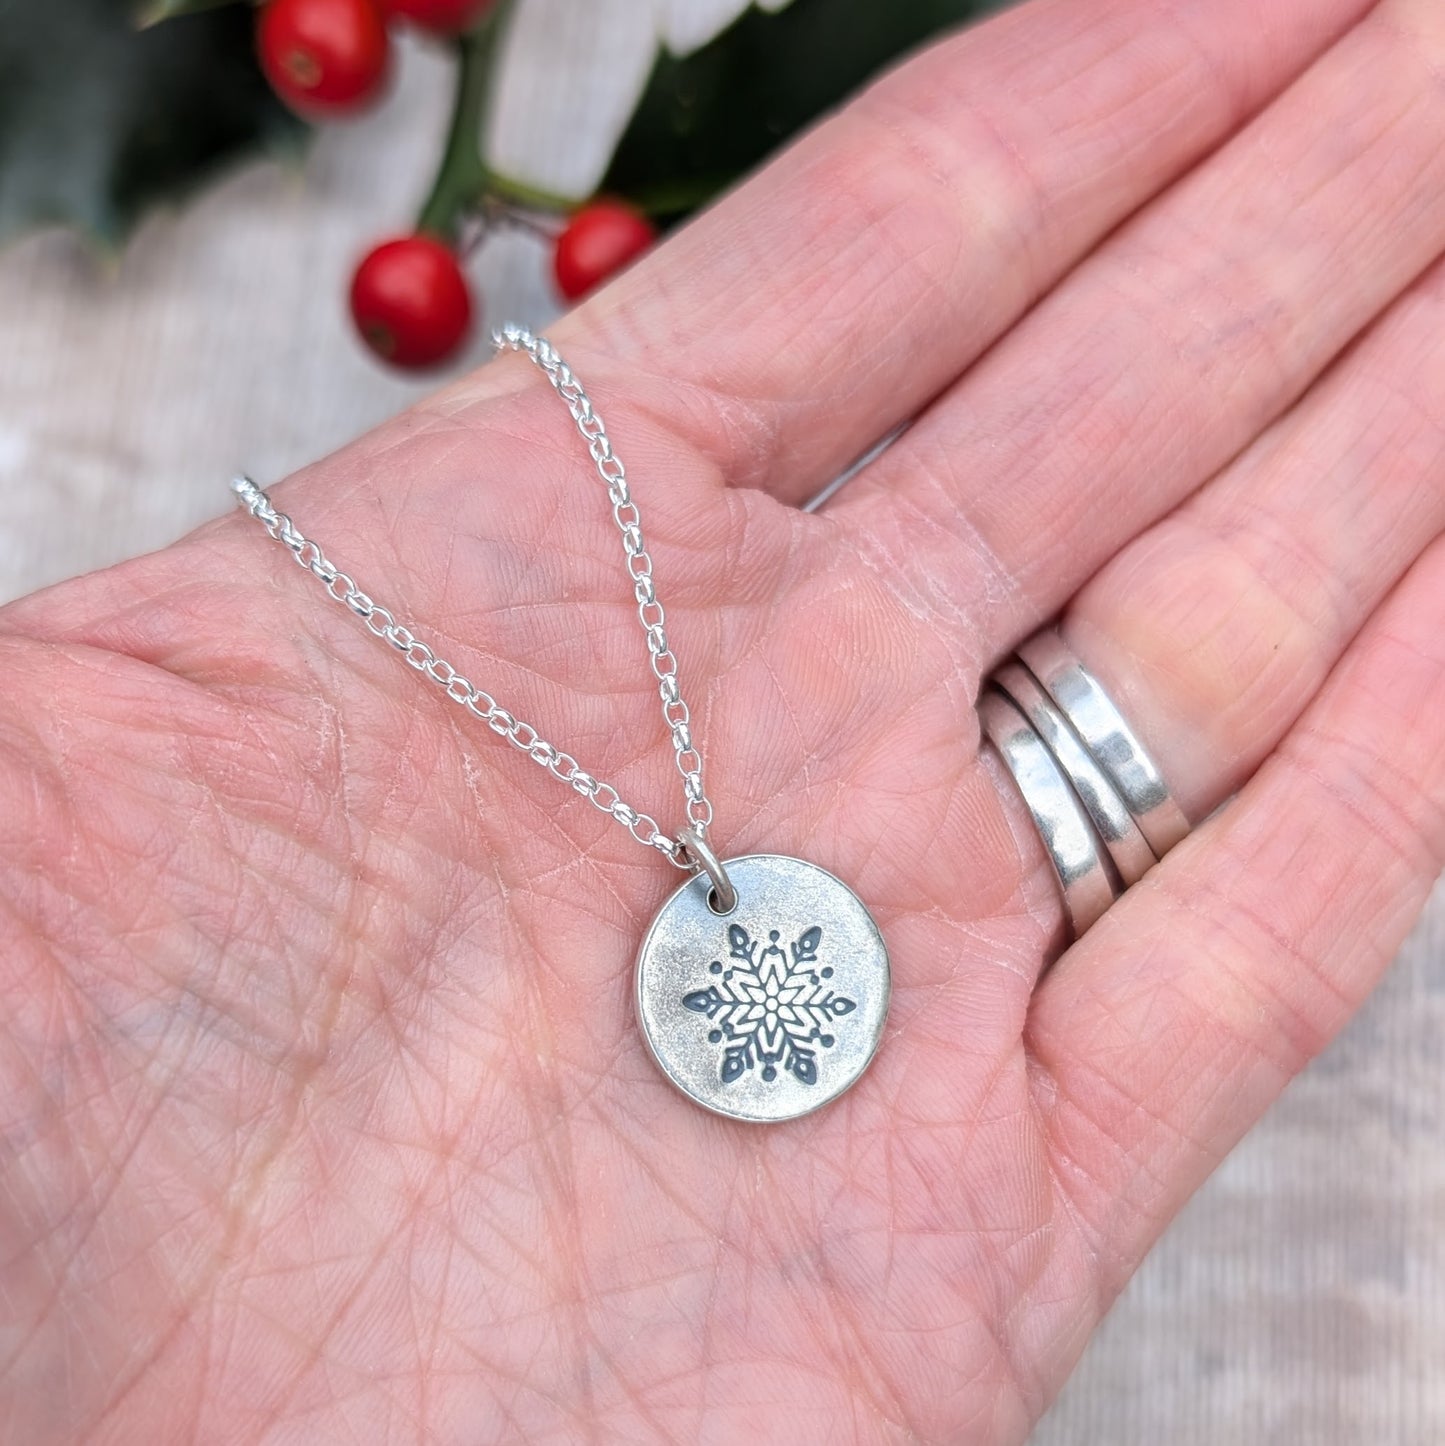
(1299, 1301)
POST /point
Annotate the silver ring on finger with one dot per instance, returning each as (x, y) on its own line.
(1128, 848)
(1073, 846)
(1105, 732)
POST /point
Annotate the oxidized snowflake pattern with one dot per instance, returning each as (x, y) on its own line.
(770, 1006)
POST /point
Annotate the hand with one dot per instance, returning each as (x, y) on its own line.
(324, 1110)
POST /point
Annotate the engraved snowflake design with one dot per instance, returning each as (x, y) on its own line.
(770, 1005)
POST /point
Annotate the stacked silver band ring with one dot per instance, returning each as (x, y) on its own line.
(1098, 800)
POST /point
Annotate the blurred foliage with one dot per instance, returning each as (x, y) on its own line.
(104, 112)
(152, 12)
(709, 117)
(100, 119)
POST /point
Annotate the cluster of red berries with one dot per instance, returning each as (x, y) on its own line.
(409, 297)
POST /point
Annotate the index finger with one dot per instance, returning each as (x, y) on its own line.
(830, 298)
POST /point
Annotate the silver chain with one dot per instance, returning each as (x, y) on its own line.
(383, 624)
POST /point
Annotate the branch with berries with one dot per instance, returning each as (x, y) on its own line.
(410, 297)
(143, 111)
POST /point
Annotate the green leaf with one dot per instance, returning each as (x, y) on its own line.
(709, 117)
(152, 12)
(100, 120)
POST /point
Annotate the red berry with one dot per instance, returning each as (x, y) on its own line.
(411, 302)
(439, 17)
(598, 241)
(323, 57)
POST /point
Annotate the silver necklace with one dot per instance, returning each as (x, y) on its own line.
(762, 983)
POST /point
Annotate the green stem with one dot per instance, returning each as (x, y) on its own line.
(463, 180)
(461, 177)
(519, 193)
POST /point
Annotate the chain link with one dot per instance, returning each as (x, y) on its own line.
(383, 624)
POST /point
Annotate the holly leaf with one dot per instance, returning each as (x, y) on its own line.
(152, 12)
(711, 116)
(100, 120)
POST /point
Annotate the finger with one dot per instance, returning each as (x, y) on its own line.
(1166, 1032)
(800, 319)
(1163, 355)
(1217, 626)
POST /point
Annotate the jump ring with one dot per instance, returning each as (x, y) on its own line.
(723, 897)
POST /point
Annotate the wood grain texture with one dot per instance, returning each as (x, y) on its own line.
(1300, 1300)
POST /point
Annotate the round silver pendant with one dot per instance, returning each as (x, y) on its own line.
(773, 1009)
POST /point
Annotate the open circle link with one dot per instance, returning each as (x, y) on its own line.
(722, 898)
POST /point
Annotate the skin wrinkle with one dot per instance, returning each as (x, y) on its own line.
(241, 1199)
(100, 1196)
(134, 1369)
(1019, 225)
(1329, 598)
(1145, 1206)
(1000, 1354)
(1016, 1377)
(1385, 831)
(428, 1332)
(874, 548)
(336, 1317)
(1269, 535)
(491, 767)
(138, 957)
(420, 1326)
(207, 1369)
(1246, 920)
(1142, 1215)
(1239, 95)
(864, 194)
(796, 1261)
(546, 1111)
(882, 1401)
(253, 1024)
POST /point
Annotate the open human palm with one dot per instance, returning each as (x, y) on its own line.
(324, 1111)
